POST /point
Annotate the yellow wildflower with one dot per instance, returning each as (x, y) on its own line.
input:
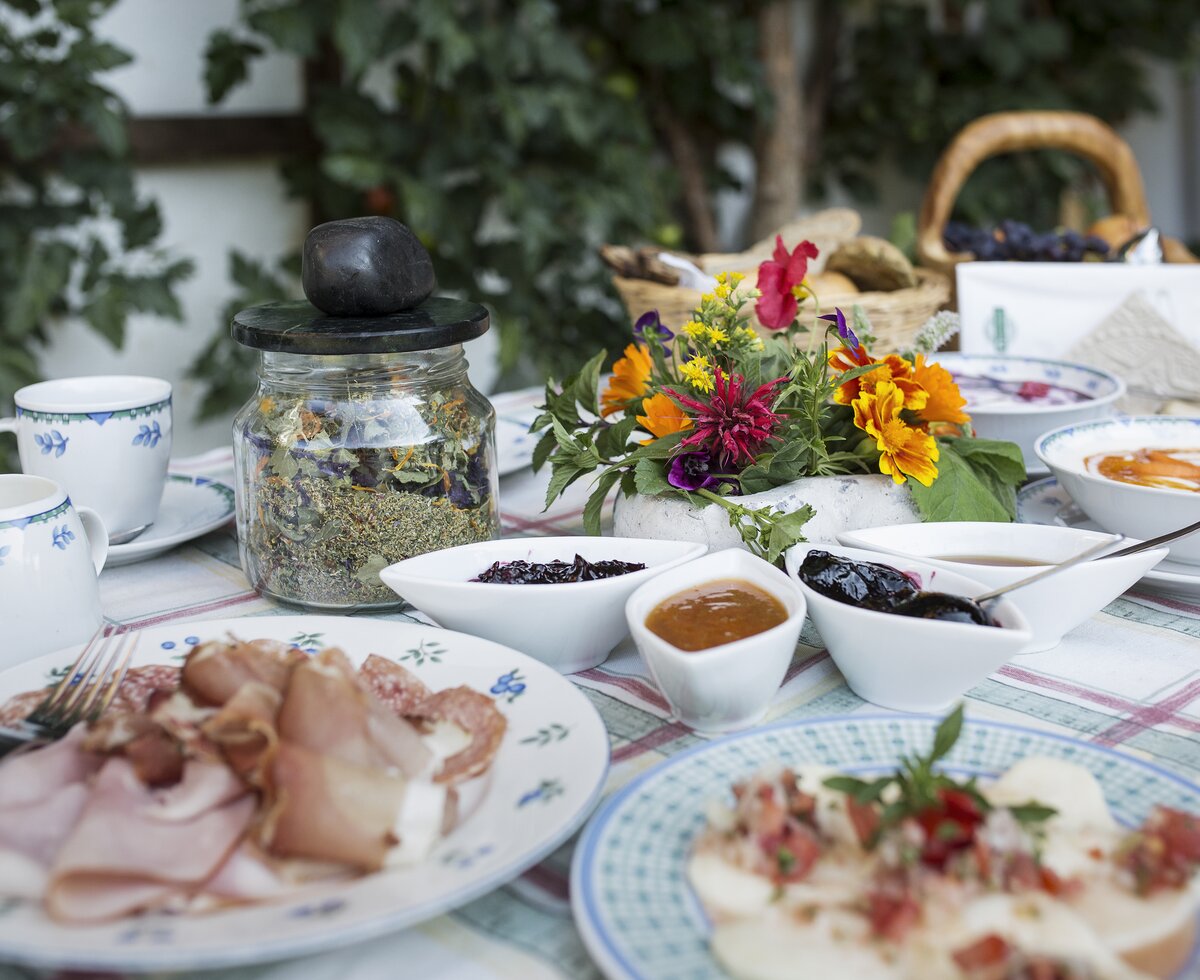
(802, 290)
(662, 417)
(735, 278)
(629, 378)
(694, 330)
(717, 336)
(722, 277)
(696, 372)
(904, 450)
(706, 298)
(722, 291)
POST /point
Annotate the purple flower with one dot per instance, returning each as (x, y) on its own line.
(649, 321)
(690, 471)
(843, 328)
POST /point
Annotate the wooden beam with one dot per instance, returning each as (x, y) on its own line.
(205, 139)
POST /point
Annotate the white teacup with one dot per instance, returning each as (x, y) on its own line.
(106, 439)
(50, 555)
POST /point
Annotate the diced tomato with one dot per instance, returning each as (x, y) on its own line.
(796, 853)
(949, 827)
(891, 908)
(1165, 852)
(991, 950)
(864, 817)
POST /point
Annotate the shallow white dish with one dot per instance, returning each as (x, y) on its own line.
(903, 662)
(544, 781)
(1053, 607)
(515, 412)
(726, 687)
(1045, 502)
(999, 412)
(634, 908)
(571, 626)
(1140, 512)
(191, 506)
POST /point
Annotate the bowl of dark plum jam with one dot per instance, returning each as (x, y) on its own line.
(904, 633)
(560, 600)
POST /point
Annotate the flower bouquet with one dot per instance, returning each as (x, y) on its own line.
(716, 411)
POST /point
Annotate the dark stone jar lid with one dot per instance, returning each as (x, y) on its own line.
(300, 328)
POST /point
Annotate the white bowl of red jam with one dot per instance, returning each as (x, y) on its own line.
(717, 635)
(1018, 398)
(560, 599)
(1136, 476)
(900, 632)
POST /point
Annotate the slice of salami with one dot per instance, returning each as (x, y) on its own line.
(477, 715)
(398, 688)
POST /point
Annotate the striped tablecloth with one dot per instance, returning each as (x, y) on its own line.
(1129, 677)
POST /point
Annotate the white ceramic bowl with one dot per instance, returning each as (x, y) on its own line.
(999, 413)
(571, 627)
(1140, 512)
(1053, 607)
(725, 687)
(903, 662)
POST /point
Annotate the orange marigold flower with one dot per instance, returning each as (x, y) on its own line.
(629, 378)
(662, 417)
(945, 401)
(893, 368)
(903, 450)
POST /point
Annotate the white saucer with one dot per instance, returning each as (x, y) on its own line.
(191, 506)
(515, 412)
(1045, 502)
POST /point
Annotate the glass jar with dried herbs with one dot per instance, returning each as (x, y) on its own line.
(350, 460)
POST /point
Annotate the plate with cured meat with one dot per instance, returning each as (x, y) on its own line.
(264, 788)
(899, 847)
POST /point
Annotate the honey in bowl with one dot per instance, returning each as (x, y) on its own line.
(713, 613)
(1165, 469)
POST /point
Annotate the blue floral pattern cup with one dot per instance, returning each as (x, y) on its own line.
(107, 439)
(50, 555)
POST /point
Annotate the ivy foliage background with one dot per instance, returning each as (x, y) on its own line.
(514, 137)
(75, 236)
(911, 75)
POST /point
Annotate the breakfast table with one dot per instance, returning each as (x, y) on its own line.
(1129, 678)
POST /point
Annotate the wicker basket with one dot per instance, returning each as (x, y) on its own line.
(1008, 132)
(895, 316)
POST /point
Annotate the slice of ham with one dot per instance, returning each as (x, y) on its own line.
(245, 731)
(326, 808)
(215, 671)
(398, 688)
(477, 715)
(136, 848)
(327, 709)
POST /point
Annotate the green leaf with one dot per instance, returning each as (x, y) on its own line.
(957, 494)
(227, 63)
(613, 441)
(291, 28)
(595, 503)
(650, 478)
(106, 312)
(360, 172)
(108, 123)
(1002, 458)
(946, 735)
(787, 530)
(586, 386)
(358, 34)
(541, 452)
(1031, 813)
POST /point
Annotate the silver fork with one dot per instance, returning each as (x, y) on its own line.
(83, 694)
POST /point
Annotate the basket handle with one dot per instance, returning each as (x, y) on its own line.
(1007, 132)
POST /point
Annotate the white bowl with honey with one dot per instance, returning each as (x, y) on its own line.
(718, 634)
(1137, 476)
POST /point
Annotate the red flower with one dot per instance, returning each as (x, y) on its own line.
(732, 426)
(778, 280)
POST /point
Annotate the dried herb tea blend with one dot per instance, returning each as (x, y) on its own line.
(365, 444)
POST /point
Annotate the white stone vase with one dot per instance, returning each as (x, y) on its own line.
(842, 503)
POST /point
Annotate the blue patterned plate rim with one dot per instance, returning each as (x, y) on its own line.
(303, 941)
(584, 903)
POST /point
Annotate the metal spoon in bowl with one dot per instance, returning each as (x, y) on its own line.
(1146, 545)
(970, 608)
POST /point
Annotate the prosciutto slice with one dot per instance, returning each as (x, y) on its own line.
(135, 848)
(477, 715)
(400, 689)
(328, 710)
(215, 671)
